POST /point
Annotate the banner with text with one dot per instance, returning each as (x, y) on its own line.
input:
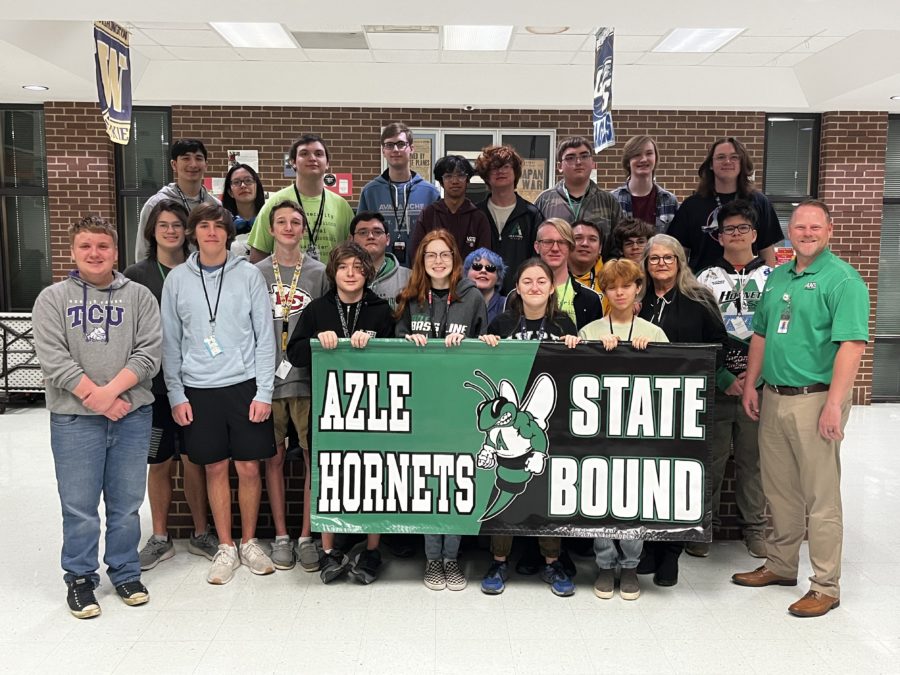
(604, 136)
(113, 61)
(524, 438)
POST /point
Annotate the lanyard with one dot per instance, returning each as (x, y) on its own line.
(433, 331)
(575, 212)
(287, 301)
(739, 287)
(661, 304)
(162, 271)
(314, 232)
(184, 200)
(212, 312)
(401, 219)
(343, 317)
(538, 335)
(630, 329)
(563, 297)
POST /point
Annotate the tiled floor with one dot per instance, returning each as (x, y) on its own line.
(290, 622)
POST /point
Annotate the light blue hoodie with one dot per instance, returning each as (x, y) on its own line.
(243, 329)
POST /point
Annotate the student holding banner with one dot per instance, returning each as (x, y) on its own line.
(621, 281)
(687, 312)
(351, 310)
(440, 303)
(532, 314)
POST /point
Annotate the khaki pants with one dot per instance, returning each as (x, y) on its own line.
(501, 545)
(801, 472)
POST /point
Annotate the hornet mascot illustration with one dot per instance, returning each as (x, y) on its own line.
(515, 438)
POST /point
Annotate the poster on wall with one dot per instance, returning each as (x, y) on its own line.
(604, 136)
(288, 167)
(525, 438)
(113, 61)
(248, 157)
(534, 179)
(420, 160)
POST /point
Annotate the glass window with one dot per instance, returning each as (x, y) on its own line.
(24, 211)
(791, 162)
(142, 168)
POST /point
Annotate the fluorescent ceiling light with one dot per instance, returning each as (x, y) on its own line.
(35, 87)
(895, 98)
(255, 35)
(476, 38)
(697, 39)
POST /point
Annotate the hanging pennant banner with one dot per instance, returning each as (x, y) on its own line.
(113, 61)
(604, 136)
(524, 438)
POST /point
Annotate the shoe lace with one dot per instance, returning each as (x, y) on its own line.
(251, 550)
(557, 572)
(494, 569)
(224, 556)
(206, 538)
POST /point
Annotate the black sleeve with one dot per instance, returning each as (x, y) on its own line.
(403, 327)
(479, 321)
(386, 324)
(502, 325)
(770, 233)
(565, 325)
(714, 332)
(298, 350)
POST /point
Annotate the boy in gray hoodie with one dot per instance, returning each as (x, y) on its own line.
(97, 335)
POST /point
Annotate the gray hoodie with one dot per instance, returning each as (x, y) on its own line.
(80, 329)
(466, 314)
(390, 280)
(169, 191)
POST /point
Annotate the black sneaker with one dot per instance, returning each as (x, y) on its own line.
(531, 561)
(568, 564)
(333, 566)
(365, 569)
(82, 602)
(133, 593)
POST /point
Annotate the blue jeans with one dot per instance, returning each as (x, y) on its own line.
(95, 456)
(442, 546)
(607, 556)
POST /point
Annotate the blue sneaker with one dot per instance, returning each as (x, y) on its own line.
(494, 581)
(560, 582)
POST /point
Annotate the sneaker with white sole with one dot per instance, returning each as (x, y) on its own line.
(283, 553)
(206, 544)
(155, 551)
(456, 579)
(605, 584)
(82, 601)
(224, 563)
(133, 593)
(435, 579)
(309, 555)
(333, 566)
(255, 558)
(629, 586)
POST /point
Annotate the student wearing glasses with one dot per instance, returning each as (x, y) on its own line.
(487, 270)
(687, 312)
(369, 230)
(440, 304)
(576, 196)
(455, 212)
(399, 193)
(244, 197)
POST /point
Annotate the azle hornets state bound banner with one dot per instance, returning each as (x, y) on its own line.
(525, 438)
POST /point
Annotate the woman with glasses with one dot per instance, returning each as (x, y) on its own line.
(167, 247)
(244, 197)
(442, 305)
(532, 314)
(687, 312)
(487, 270)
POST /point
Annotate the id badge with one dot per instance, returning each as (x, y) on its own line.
(783, 325)
(313, 251)
(283, 369)
(400, 251)
(277, 310)
(740, 327)
(212, 345)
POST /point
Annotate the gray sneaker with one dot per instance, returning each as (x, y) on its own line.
(282, 553)
(698, 549)
(605, 584)
(206, 544)
(309, 555)
(629, 587)
(756, 547)
(255, 558)
(155, 551)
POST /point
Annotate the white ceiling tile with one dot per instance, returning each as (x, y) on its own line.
(635, 43)
(774, 30)
(455, 56)
(622, 58)
(205, 53)
(404, 56)
(739, 60)
(155, 52)
(170, 25)
(395, 41)
(587, 58)
(340, 55)
(187, 38)
(325, 28)
(787, 60)
(272, 54)
(551, 43)
(137, 37)
(571, 30)
(753, 45)
(837, 31)
(540, 58)
(670, 59)
(816, 44)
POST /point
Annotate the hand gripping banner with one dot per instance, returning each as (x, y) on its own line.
(523, 438)
(113, 61)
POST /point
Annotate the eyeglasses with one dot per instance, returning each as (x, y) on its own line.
(548, 244)
(238, 182)
(487, 268)
(580, 157)
(667, 259)
(455, 176)
(395, 145)
(734, 158)
(170, 226)
(365, 234)
(634, 243)
(743, 228)
(431, 256)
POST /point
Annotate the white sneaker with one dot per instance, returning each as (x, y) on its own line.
(255, 558)
(224, 563)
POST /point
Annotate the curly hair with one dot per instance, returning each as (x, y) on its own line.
(496, 156)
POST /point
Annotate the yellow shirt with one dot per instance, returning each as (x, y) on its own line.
(591, 279)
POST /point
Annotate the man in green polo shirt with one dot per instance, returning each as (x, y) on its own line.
(810, 330)
(328, 215)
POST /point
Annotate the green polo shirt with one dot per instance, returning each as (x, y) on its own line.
(829, 304)
(335, 227)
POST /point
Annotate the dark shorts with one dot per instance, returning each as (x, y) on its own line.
(166, 437)
(222, 428)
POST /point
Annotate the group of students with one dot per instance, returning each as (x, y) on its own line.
(233, 338)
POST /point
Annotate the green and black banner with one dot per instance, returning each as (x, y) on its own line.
(524, 438)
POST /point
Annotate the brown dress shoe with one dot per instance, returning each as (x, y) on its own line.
(814, 603)
(761, 576)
